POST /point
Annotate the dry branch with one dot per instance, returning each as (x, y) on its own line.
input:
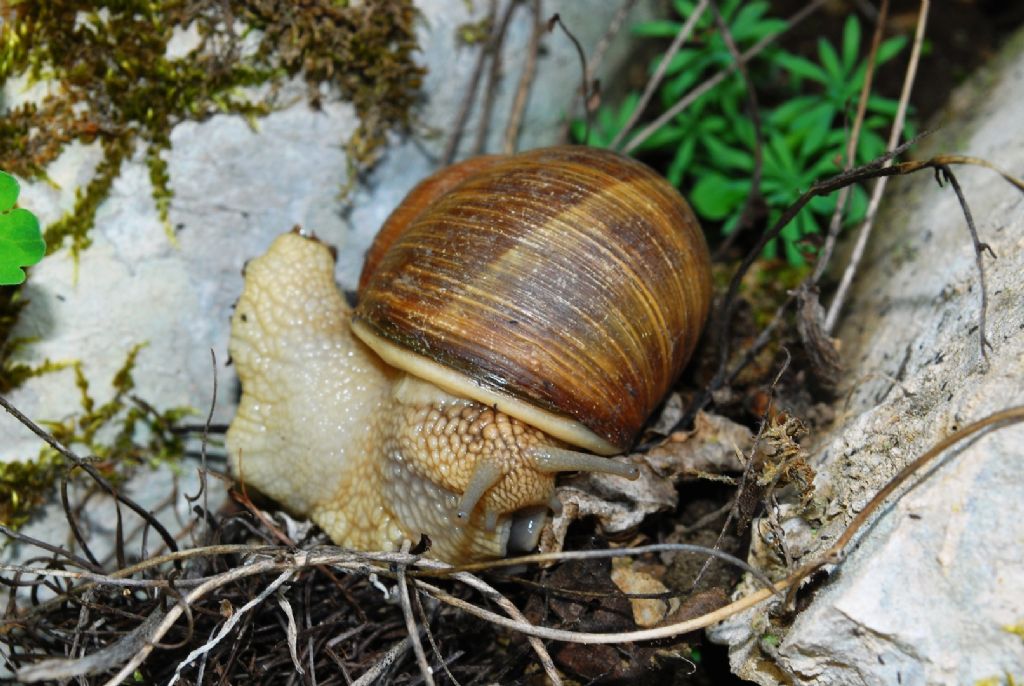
(876, 194)
(659, 73)
(703, 88)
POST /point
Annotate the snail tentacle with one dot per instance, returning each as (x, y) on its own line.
(549, 459)
(486, 473)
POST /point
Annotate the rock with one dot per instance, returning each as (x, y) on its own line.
(647, 612)
(236, 187)
(933, 591)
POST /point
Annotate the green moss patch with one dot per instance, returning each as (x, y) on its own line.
(113, 80)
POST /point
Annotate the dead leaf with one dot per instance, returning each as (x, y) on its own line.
(715, 446)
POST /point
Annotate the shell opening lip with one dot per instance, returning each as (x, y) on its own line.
(560, 426)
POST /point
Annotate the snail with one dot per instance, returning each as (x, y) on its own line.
(518, 316)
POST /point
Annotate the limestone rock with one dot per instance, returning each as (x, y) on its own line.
(933, 590)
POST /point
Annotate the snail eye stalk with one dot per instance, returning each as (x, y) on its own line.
(550, 459)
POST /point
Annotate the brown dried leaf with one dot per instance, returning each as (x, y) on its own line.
(715, 446)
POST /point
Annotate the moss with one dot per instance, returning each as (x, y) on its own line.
(115, 82)
(109, 433)
(13, 373)
(474, 33)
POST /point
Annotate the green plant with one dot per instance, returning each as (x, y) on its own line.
(805, 110)
(21, 242)
(120, 435)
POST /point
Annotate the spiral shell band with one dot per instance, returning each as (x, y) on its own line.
(571, 278)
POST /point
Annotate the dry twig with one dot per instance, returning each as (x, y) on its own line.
(836, 223)
(659, 73)
(592, 65)
(754, 198)
(410, 623)
(878, 168)
(493, 77)
(876, 194)
(703, 88)
(515, 116)
(469, 95)
(282, 564)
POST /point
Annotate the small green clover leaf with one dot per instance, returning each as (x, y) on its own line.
(21, 243)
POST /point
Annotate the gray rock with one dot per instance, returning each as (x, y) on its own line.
(933, 587)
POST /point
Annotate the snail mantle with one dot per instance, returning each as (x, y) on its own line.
(512, 310)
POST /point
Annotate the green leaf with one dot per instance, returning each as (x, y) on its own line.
(889, 49)
(578, 129)
(684, 7)
(665, 136)
(830, 61)
(823, 204)
(851, 43)
(661, 28)
(725, 157)
(675, 87)
(680, 164)
(869, 146)
(813, 126)
(680, 61)
(744, 25)
(788, 111)
(748, 26)
(778, 150)
(21, 243)
(877, 103)
(715, 197)
(857, 206)
(801, 67)
(712, 124)
(8, 191)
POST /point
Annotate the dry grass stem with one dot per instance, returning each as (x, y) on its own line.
(876, 194)
(836, 222)
(659, 73)
(281, 565)
(515, 116)
(469, 93)
(594, 63)
(703, 88)
(754, 197)
(493, 77)
(410, 623)
(747, 475)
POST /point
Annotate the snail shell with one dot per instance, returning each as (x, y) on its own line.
(510, 305)
(567, 285)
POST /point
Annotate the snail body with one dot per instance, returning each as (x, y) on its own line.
(511, 310)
